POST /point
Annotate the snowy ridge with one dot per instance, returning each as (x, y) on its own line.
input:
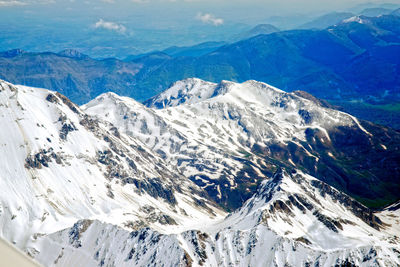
(300, 202)
(259, 234)
(186, 91)
(211, 138)
(60, 165)
(358, 19)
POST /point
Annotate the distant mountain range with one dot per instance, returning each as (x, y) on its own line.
(327, 20)
(334, 18)
(357, 59)
(257, 30)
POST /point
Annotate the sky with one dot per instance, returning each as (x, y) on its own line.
(142, 25)
(269, 6)
(213, 12)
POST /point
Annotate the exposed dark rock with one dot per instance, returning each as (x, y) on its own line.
(317, 101)
(52, 98)
(252, 242)
(66, 126)
(294, 201)
(77, 230)
(110, 193)
(89, 123)
(130, 254)
(346, 263)
(115, 132)
(106, 158)
(135, 225)
(328, 222)
(358, 209)
(306, 116)
(303, 240)
(156, 188)
(371, 254)
(68, 102)
(394, 206)
(187, 260)
(131, 163)
(161, 218)
(230, 199)
(198, 245)
(65, 129)
(280, 206)
(114, 147)
(303, 202)
(42, 159)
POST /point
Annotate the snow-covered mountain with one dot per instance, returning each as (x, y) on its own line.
(118, 183)
(228, 137)
(59, 165)
(292, 220)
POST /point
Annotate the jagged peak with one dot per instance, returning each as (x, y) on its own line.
(288, 194)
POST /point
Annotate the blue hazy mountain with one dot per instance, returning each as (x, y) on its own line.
(374, 12)
(371, 5)
(69, 72)
(335, 63)
(396, 12)
(327, 20)
(257, 30)
(193, 51)
(358, 59)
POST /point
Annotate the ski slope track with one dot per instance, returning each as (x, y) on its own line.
(191, 178)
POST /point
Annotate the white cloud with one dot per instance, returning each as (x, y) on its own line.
(4, 3)
(209, 19)
(109, 1)
(108, 25)
(11, 3)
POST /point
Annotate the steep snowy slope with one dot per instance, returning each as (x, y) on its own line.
(228, 137)
(59, 165)
(293, 220)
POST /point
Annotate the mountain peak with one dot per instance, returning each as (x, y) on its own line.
(12, 53)
(190, 90)
(194, 90)
(72, 53)
(110, 101)
(291, 203)
(256, 30)
(358, 19)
